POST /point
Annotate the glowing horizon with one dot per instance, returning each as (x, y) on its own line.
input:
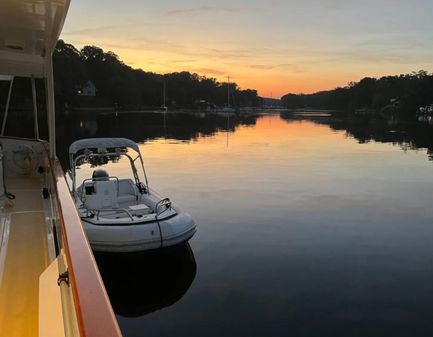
(275, 47)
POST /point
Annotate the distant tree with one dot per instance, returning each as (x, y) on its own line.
(292, 101)
(69, 72)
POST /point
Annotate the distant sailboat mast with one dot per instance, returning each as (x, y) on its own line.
(227, 109)
(164, 107)
(163, 96)
(228, 91)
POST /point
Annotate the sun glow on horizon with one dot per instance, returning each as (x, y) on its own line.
(287, 47)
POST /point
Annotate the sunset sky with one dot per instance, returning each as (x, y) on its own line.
(274, 46)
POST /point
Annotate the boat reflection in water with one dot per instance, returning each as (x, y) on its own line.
(140, 283)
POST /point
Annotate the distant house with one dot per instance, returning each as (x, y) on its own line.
(88, 89)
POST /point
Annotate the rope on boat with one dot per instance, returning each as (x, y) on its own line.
(160, 231)
(163, 202)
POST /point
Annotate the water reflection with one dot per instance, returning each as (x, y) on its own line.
(141, 283)
(309, 225)
(142, 127)
(409, 134)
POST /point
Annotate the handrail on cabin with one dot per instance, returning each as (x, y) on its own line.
(92, 304)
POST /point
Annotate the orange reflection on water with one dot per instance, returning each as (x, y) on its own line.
(247, 149)
(271, 148)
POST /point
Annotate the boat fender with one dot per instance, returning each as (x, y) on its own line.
(23, 159)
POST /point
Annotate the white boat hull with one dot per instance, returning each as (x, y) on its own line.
(141, 236)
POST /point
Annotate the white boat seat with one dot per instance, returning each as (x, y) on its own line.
(127, 198)
(128, 192)
(103, 197)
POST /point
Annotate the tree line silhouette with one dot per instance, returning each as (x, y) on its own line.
(404, 93)
(121, 85)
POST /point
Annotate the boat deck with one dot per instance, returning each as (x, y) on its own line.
(24, 255)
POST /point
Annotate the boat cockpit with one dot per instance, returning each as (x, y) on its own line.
(104, 199)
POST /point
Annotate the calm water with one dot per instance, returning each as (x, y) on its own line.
(308, 226)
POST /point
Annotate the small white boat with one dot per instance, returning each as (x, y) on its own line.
(226, 111)
(123, 214)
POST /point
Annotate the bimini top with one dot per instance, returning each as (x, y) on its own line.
(29, 30)
(102, 143)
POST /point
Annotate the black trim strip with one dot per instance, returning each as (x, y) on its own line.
(85, 219)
